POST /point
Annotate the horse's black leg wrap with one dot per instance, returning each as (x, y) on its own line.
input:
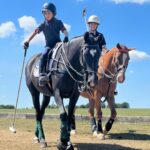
(65, 135)
(73, 123)
(99, 126)
(93, 124)
(109, 124)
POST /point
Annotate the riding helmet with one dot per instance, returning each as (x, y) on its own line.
(94, 19)
(50, 7)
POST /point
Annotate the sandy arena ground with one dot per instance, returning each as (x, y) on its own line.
(121, 137)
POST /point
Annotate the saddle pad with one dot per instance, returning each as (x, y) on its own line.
(36, 67)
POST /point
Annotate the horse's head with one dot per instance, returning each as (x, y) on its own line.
(121, 60)
(90, 56)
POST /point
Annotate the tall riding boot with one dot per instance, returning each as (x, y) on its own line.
(43, 78)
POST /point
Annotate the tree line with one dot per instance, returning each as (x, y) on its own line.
(103, 105)
(7, 107)
(53, 106)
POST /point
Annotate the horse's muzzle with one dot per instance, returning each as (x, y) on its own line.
(92, 80)
(121, 78)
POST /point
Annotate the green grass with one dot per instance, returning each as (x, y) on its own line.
(106, 112)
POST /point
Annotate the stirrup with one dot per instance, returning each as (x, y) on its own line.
(43, 79)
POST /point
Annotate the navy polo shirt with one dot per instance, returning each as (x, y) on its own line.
(51, 30)
(101, 40)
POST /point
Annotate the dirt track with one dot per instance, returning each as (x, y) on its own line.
(122, 136)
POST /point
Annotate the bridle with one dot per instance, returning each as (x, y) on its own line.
(118, 69)
(69, 68)
(83, 61)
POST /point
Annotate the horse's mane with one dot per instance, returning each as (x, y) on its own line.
(77, 38)
(111, 52)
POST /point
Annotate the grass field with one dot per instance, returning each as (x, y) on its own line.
(106, 111)
(121, 137)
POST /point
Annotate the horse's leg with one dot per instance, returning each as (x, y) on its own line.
(99, 118)
(64, 134)
(45, 102)
(91, 116)
(39, 134)
(36, 103)
(111, 104)
(73, 124)
(71, 112)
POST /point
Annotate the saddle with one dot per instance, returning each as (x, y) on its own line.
(51, 57)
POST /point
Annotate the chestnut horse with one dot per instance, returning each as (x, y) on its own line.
(112, 68)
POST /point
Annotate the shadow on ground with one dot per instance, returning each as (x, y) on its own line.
(81, 146)
(131, 135)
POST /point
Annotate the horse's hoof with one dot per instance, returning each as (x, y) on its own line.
(95, 133)
(101, 136)
(36, 140)
(43, 143)
(73, 132)
(64, 146)
(61, 145)
(105, 131)
(69, 146)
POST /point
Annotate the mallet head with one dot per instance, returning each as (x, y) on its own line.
(12, 129)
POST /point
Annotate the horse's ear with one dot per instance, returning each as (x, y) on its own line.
(118, 46)
(86, 37)
(131, 49)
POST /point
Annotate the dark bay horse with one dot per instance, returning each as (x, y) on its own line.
(75, 64)
(112, 68)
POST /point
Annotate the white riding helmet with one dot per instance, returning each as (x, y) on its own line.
(94, 19)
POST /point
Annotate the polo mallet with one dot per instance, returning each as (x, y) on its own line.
(84, 16)
(12, 128)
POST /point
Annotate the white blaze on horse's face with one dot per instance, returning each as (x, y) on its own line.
(93, 52)
(122, 68)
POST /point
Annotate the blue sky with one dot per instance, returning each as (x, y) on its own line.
(124, 21)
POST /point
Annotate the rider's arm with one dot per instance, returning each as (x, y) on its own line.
(38, 30)
(65, 33)
(26, 44)
(32, 36)
(66, 39)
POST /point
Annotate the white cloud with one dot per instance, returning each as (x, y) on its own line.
(29, 24)
(131, 1)
(7, 29)
(68, 27)
(138, 55)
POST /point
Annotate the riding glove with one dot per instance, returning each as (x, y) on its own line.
(26, 45)
(66, 39)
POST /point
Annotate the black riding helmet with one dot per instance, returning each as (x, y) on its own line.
(50, 7)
